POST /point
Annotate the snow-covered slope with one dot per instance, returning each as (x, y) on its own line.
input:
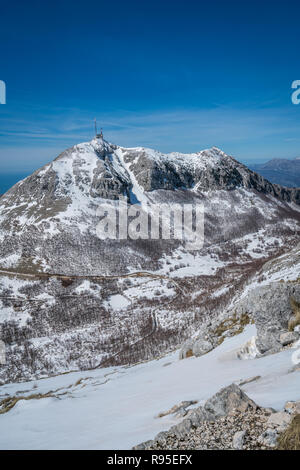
(117, 408)
(70, 300)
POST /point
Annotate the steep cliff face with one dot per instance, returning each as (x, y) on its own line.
(203, 171)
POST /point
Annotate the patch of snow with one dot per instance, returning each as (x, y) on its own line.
(116, 408)
(83, 287)
(10, 261)
(116, 302)
(183, 263)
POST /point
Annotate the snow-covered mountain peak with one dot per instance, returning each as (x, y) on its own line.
(85, 174)
(71, 286)
(99, 147)
(214, 151)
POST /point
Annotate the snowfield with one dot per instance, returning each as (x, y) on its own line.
(116, 408)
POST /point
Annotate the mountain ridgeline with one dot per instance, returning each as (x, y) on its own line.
(70, 300)
(54, 209)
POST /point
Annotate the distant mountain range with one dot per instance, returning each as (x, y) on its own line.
(281, 171)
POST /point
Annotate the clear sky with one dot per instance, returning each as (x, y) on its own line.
(173, 75)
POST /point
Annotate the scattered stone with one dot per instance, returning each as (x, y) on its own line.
(225, 410)
(288, 338)
(249, 350)
(269, 411)
(281, 419)
(180, 409)
(292, 407)
(248, 381)
(240, 430)
(201, 346)
(268, 438)
(186, 350)
(229, 399)
(238, 440)
(295, 368)
(228, 420)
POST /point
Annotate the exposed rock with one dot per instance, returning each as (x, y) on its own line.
(229, 420)
(224, 172)
(180, 409)
(229, 399)
(281, 419)
(248, 350)
(237, 430)
(186, 350)
(292, 407)
(248, 381)
(288, 338)
(269, 438)
(270, 308)
(201, 347)
(238, 440)
(295, 321)
(293, 369)
(213, 333)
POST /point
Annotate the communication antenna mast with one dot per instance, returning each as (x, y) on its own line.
(98, 136)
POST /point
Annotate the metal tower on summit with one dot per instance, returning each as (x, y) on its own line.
(98, 136)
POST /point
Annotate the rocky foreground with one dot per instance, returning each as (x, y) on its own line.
(230, 420)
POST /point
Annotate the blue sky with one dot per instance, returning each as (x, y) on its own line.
(171, 75)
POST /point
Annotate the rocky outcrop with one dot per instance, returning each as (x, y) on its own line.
(218, 171)
(197, 348)
(214, 332)
(178, 410)
(238, 440)
(224, 402)
(229, 420)
(271, 310)
(288, 338)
